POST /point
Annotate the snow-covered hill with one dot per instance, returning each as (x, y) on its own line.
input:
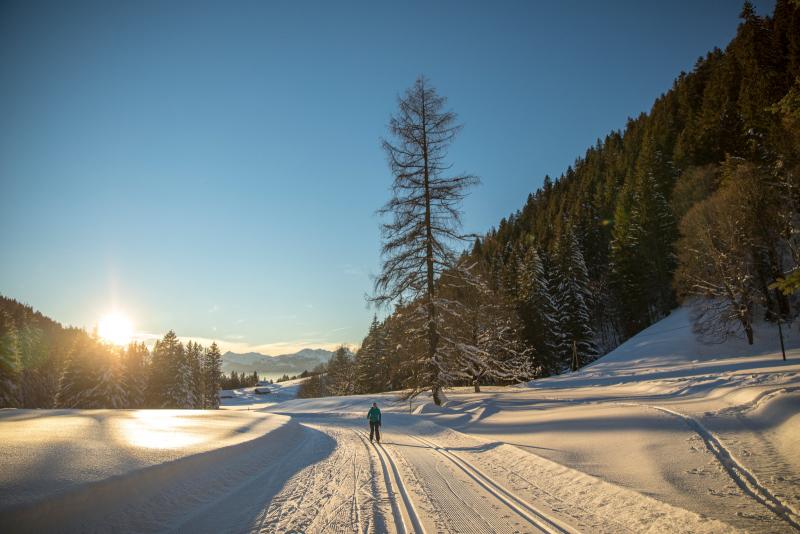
(669, 349)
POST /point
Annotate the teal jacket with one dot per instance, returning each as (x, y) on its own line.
(374, 415)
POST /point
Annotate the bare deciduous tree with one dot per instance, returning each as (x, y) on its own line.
(425, 215)
(717, 267)
(482, 329)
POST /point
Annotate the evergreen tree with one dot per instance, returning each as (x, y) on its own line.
(181, 394)
(574, 302)
(642, 257)
(9, 362)
(80, 376)
(212, 370)
(40, 371)
(369, 372)
(341, 373)
(135, 362)
(383, 359)
(167, 386)
(315, 385)
(194, 357)
(541, 326)
(108, 390)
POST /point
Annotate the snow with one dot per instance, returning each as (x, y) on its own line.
(663, 434)
(248, 398)
(668, 349)
(48, 454)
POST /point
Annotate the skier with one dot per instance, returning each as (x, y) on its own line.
(374, 416)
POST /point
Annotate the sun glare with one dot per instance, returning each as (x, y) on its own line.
(115, 328)
(162, 429)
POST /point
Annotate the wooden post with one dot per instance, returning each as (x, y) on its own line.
(574, 356)
(780, 333)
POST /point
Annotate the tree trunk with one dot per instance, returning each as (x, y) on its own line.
(433, 336)
(436, 399)
(748, 329)
(477, 384)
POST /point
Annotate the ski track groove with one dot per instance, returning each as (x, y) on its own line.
(409, 504)
(390, 472)
(399, 522)
(741, 475)
(536, 517)
(378, 523)
(455, 494)
(459, 503)
(569, 505)
(397, 516)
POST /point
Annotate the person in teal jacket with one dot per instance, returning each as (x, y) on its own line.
(374, 416)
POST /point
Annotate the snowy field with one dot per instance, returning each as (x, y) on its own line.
(661, 435)
(248, 399)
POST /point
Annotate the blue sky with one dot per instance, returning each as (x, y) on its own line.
(214, 167)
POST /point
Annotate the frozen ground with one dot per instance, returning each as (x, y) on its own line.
(661, 435)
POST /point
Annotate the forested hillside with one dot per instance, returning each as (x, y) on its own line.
(730, 123)
(44, 365)
(697, 200)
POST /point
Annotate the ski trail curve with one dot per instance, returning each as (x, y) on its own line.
(536, 517)
(741, 475)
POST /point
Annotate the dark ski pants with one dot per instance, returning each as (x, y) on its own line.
(375, 430)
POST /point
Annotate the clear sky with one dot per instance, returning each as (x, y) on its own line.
(214, 167)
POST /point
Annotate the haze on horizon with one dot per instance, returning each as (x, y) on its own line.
(215, 170)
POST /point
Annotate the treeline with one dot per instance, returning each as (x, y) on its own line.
(337, 377)
(43, 365)
(697, 201)
(238, 380)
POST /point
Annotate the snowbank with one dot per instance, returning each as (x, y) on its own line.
(44, 453)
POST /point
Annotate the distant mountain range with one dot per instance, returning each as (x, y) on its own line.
(290, 364)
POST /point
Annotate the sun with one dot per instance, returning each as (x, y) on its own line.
(115, 328)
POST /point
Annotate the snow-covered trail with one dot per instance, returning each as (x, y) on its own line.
(423, 477)
(404, 484)
(318, 472)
